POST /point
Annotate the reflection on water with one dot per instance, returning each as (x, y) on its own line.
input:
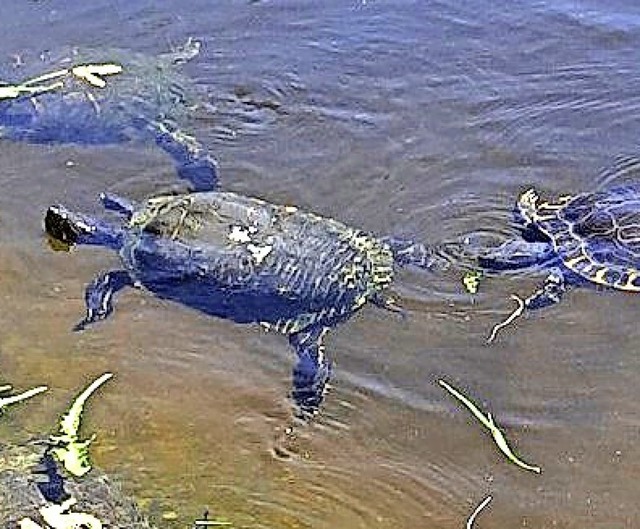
(418, 119)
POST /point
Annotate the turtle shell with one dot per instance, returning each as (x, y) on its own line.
(597, 235)
(289, 268)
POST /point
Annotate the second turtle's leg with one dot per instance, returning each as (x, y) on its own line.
(550, 293)
(193, 163)
(99, 296)
(312, 370)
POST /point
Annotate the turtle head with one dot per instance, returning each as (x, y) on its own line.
(67, 228)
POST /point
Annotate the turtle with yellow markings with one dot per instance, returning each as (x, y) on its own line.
(246, 260)
(591, 237)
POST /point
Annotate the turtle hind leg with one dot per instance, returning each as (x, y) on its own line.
(312, 370)
(407, 252)
(550, 293)
(193, 163)
(99, 296)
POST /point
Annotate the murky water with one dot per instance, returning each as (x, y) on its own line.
(421, 119)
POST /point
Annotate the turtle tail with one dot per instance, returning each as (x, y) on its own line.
(434, 258)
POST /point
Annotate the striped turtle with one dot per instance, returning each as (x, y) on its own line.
(591, 237)
(98, 97)
(247, 260)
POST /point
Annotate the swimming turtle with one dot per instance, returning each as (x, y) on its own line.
(587, 238)
(97, 97)
(247, 260)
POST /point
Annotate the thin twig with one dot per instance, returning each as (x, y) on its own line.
(515, 314)
(488, 422)
(475, 513)
(58, 74)
(5, 401)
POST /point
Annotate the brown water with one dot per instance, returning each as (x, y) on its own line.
(421, 119)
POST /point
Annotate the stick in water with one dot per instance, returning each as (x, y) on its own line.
(488, 423)
(5, 401)
(475, 513)
(514, 315)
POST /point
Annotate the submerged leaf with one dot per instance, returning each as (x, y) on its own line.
(70, 451)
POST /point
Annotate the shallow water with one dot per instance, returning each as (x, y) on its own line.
(421, 119)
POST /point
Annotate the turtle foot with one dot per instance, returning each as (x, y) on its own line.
(311, 372)
(99, 296)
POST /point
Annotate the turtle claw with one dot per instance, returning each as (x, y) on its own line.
(193, 163)
(81, 325)
(551, 292)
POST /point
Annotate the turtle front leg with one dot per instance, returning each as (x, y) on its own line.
(406, 252)
(551, 292)
(312, 370)
(99, 296)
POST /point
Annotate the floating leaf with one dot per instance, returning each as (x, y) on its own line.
(471, 280)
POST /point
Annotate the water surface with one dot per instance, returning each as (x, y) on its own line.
(421, 119)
